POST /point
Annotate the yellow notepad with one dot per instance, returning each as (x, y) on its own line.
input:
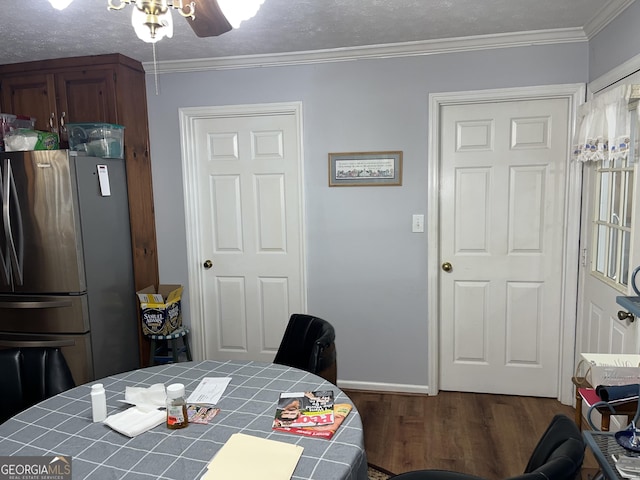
(244, 457)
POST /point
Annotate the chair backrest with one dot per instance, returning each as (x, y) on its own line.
(559, 453)
(308, 343)
(30, 375)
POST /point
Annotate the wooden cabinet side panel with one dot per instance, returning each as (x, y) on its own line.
(132, 113)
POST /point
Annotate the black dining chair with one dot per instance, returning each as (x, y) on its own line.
(308, 343)
(30, 375)
(558, 456)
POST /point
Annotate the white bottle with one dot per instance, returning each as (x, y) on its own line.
(98, 402)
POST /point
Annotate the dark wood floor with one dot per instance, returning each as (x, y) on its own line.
(487, 435)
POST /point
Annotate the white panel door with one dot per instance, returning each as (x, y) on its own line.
(250, 231)
(501, 217)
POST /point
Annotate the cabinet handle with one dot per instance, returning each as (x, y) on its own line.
(51, 126)
(63, 127)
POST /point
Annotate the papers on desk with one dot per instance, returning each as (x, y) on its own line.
(209, 391)
(628, 467)
(244, 457)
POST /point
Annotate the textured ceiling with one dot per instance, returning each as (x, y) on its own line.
(33, 30)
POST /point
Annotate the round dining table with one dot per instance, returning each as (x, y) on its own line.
(62, 426)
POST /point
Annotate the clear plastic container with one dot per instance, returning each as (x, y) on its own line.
(105, 140)
(24, 122)
(6, 120)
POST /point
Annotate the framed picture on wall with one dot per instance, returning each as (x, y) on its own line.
(365, 169)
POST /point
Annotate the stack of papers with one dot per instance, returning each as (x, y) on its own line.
(244, 457)
(628, 467)
(209, 391)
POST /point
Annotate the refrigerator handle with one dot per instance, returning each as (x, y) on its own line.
(36, 304)
(4, 203)
(15, 238)
(36, 343)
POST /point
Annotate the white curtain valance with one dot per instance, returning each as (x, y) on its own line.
(603, 127)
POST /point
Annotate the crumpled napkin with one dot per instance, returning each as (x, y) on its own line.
(150, 398)
(134, 421)
(144, 415)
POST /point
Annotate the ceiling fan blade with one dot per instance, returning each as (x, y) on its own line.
(209, 21)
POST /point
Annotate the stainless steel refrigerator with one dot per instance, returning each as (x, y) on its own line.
(66, 272)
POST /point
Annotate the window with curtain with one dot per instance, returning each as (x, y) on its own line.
(604, 136)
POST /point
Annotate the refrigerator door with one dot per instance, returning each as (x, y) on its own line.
(75, 348)
(44, 313)
(41, 243)
(5, 271)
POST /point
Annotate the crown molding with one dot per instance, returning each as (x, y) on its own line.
(605, 15)
(393, 50)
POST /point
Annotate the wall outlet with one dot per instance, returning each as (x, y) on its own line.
(418, 224)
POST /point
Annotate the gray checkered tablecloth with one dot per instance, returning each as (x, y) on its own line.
(62, 425)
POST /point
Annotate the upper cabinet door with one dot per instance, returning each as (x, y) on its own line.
(31, 95)
(86, 96)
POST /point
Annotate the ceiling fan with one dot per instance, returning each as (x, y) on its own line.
(152, 20)
(209, 21)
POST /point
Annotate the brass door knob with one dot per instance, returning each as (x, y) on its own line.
(447, 267)
(207, 264)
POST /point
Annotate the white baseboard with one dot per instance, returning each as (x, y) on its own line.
(383, 387)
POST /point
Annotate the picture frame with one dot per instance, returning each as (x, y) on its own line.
(365, 169)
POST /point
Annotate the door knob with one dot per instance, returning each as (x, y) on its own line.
(622, 315)
(207, 264)
(447, 267)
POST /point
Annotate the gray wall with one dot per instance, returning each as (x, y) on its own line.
(617, 43)
(367, 273)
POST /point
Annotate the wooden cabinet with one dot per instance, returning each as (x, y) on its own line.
(101, 88)
(31, 95)
(87, 95)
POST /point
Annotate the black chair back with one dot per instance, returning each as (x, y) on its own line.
(30, 375)
(308, 343)
(560, 451)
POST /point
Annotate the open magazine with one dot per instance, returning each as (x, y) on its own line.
(304, 409)
(340, 410)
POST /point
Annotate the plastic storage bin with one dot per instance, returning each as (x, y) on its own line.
(6, 120)
(105, 140)
(22, 121)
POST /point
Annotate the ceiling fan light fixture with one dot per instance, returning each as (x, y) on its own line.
(60, 4)
(151, 19)
(152, 27)
(237, 11)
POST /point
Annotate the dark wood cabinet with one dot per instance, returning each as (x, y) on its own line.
(55, 99)
(102, 88)
(31, 95)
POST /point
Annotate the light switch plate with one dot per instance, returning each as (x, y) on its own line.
(418, 224)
